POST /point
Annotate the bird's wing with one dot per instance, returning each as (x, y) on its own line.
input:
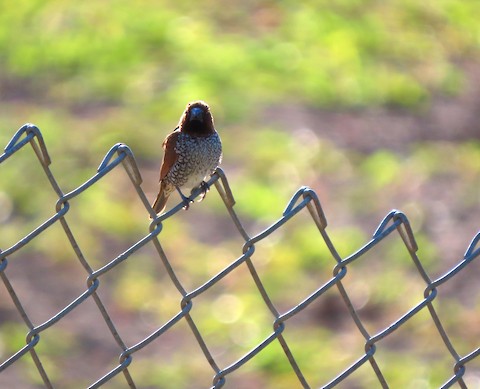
(170, 155)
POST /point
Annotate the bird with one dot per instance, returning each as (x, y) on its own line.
(191, 153)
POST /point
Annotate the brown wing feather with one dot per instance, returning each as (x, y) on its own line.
(170, 156)
(161, 200)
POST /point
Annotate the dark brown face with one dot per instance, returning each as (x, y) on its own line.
(197, 119)
(197, 110)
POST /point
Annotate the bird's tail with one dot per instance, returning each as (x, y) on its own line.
(161, 201)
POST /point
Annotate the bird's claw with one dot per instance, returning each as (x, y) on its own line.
(186, 200)
(205, 188)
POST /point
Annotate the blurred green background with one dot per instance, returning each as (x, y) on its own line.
(371, 103)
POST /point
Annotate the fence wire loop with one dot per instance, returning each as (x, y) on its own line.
(384, 228)
(120, 155)
(223, 187)
(308, 196)
(406, 232)
(472, 250)
(31, 133)
(125, 155)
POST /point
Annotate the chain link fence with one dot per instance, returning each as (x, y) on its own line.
(120, 156)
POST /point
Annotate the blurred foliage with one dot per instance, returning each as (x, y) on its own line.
(91, 74)
(155, 53)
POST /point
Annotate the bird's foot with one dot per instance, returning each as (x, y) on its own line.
(205, 188)
(186, 200)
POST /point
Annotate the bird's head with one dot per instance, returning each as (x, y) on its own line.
(197, 119)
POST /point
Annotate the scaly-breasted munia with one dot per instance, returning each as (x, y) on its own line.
(192, 152)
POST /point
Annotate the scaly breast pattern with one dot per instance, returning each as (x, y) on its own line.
(197, 158)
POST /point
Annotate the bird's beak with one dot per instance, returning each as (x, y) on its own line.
(196, 114)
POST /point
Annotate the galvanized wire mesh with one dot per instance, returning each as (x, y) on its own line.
(121, 156)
